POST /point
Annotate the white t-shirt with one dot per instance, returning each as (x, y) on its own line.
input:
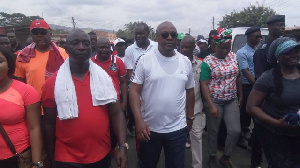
(163, 97)
(133, 52)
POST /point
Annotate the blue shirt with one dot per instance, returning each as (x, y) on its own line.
(245, 59)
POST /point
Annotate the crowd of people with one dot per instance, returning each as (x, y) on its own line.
(75, 100)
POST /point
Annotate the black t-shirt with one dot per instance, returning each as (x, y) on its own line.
(260, 58)
(204, 53)
(275, 106)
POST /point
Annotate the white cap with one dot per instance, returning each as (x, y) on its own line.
(203, 41)
(118, 40)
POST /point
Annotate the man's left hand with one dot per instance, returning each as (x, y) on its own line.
(189, 124)
(122, 160)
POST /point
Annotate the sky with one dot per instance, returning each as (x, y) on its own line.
(194, 15)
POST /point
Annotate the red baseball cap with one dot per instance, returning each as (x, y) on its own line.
(39, 24)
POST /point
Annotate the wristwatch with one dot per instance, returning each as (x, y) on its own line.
(191, 119)
(38, 164)
(124, 145)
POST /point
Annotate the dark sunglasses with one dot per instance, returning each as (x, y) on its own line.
(39, 31)
(257, 36)
(165, 35)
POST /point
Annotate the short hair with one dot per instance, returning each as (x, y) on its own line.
(70, 34)
(159, 27)
(188, 38)
(145, 26)
(10, 61)
(92, 33)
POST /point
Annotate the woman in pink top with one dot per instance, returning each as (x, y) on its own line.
(19, 115)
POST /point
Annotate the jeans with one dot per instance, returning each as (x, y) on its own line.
(256, 152)
(281, 151)
(173, 144)
(229, 111)
(245, 117)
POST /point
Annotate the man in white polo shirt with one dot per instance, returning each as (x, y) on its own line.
(162, 100)
(141, 46)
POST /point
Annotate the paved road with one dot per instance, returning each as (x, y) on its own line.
(240, 157)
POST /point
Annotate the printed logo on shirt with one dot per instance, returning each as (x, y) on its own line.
(113, 67)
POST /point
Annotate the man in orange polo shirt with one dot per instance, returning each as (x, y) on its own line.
(39, 60)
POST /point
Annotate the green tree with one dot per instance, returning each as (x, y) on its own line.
(16, 18)
(128, 30)
(248, 17)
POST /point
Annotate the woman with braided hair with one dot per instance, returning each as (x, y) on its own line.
(274, 101)
(221, 87)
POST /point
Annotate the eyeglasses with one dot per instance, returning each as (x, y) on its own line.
(257, 36)
(39, 31)
(165, 35)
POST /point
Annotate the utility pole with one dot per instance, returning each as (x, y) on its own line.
(73, 23)
(189, 31)
(213, 22)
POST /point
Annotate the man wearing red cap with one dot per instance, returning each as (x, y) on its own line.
(39, 60)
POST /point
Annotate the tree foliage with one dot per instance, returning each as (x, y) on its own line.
(128, 30)
(16, 18)
(248, 17)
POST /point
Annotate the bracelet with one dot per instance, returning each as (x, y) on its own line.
(124, 145)
(39, 164)
(190, 119)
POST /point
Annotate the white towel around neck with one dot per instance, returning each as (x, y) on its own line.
(102, 90)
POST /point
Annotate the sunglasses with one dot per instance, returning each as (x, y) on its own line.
(39, 31)
(165, 35)
(257, 36)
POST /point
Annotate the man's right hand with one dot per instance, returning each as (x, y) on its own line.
(142, 130)
(214, 111)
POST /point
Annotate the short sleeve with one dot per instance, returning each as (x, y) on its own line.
(242, 60)
(47, 97)
(19, 71)
(265, 82)
(205, 73)
(30, 96)
(191, 80)
(138, 75)
(121, 66)
(128, 60)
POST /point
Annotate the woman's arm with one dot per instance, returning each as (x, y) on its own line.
(206, 94)
(253, 107)
(33, 118)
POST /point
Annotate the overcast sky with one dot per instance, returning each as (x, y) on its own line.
(113, 14)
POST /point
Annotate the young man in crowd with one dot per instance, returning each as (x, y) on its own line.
(187, 45)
